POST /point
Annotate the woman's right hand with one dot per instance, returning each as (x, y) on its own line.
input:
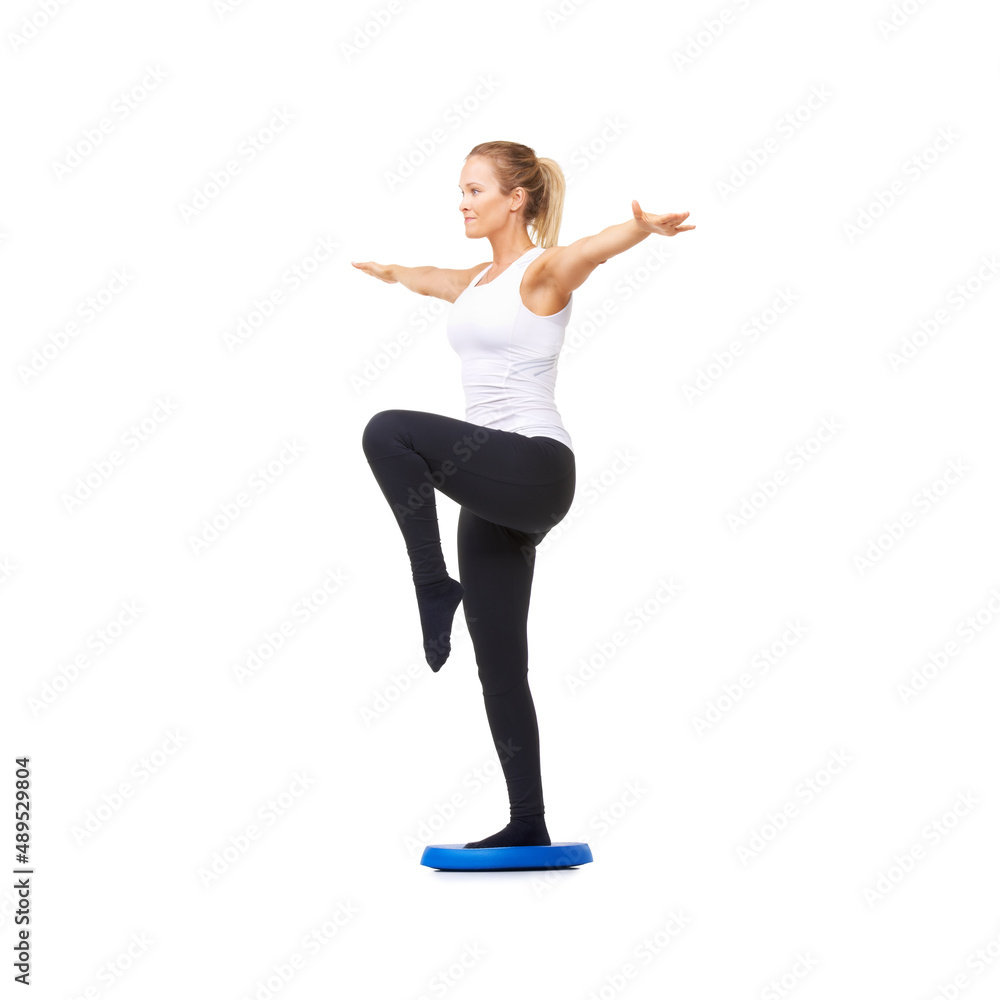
(381, 271)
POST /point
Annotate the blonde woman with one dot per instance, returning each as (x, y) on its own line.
(510, 463)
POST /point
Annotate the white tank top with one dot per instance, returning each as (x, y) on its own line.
(509, 354)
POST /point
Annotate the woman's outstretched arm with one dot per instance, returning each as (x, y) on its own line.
(571, 265)
(440, 282)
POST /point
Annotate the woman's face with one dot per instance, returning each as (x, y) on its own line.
(485, 209)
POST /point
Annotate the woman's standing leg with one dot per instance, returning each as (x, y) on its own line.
(497, 566)
(512, 489)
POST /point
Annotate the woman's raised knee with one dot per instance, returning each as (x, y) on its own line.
(379, 431)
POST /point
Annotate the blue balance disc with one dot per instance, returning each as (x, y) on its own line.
(456, 858)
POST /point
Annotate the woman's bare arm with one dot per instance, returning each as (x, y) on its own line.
(440, 282)
(570, 266)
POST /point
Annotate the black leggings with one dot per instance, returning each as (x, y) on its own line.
(512, 489)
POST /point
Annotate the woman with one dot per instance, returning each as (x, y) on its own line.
(510, 464)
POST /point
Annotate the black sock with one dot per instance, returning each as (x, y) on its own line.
(529, 831)
(437, 603)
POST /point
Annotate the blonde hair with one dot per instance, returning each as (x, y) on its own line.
(542, 179)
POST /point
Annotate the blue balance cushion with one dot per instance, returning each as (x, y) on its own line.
(456, 858)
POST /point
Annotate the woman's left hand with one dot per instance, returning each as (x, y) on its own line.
(665, 225)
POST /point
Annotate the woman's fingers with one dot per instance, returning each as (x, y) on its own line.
(379, 271)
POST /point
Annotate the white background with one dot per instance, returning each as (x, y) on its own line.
(871, 209)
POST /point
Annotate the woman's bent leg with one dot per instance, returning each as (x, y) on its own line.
(523, 483)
